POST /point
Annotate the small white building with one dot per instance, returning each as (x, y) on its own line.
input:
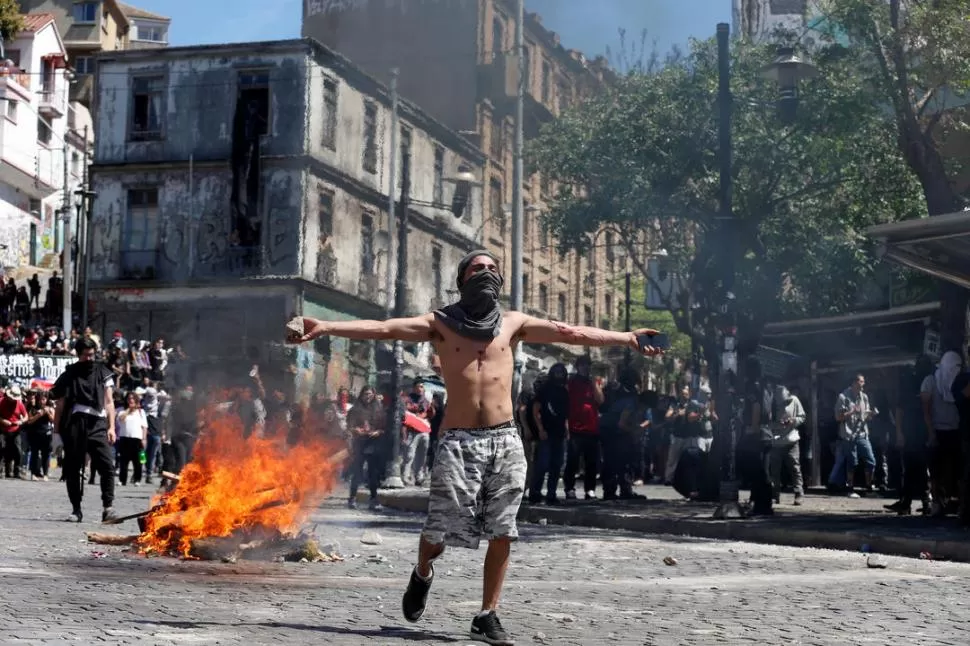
(41, 164)
(757, 20)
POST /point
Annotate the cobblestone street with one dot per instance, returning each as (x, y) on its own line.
(566, 586)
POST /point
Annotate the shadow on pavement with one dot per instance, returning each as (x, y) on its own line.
(396, 632)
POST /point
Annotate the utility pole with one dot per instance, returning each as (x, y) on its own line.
(726, 441)
(88, 210)
(392, 180)
(629, 354)
(396, 419)
(517, 203)
(66, 270)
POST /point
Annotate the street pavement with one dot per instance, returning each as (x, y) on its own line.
(567, 586)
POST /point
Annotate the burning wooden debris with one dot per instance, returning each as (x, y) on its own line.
(240, 499)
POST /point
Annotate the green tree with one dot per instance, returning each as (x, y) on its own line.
(641, 158)
(11, 20)
(915, 54)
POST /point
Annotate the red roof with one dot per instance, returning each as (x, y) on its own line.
(37, 21)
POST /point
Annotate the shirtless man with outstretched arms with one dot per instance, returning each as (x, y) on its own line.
(479, 471)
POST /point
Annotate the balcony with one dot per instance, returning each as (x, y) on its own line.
(53, 101)
(14, 83)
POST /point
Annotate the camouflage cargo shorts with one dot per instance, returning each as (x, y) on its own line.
(476, 486)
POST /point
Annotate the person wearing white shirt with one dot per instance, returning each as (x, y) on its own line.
(132, 436)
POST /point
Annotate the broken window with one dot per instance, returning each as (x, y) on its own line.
(367, 245)
(325, 209)
(254, 95)
(330, 113)
(370, 137)
(439, 175)
(147, 96)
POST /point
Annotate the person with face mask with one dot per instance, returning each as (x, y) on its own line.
(549, 410)
(788, 416)
(479, 474)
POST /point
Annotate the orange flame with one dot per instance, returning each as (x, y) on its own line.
(235, 483)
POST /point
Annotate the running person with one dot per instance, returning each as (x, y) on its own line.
(479, 471)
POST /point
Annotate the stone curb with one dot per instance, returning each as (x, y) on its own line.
(768, 531)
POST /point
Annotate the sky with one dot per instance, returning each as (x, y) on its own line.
(590, 26)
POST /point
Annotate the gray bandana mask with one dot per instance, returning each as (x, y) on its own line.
(477, 315)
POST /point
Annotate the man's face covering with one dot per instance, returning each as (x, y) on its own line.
(477, 314)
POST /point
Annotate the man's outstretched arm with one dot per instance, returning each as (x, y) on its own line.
(534, 330)
(418, 328)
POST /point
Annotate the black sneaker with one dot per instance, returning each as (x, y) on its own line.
(108, 514)
(416, 596)
(75, 516)
(488, 629)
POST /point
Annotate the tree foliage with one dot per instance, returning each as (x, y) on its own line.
(11, 20)
(642, 158)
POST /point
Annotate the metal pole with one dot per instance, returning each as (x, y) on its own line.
(627, 305)
(517, 202)
(392, 179)
(68, 272)
(393, 477)
(723, 458)
(89, 208)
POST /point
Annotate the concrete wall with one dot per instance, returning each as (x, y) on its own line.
(198, 106)
(194, 225)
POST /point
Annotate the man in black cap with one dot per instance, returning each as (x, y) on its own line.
(480, 469)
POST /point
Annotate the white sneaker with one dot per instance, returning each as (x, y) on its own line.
(853, 494)
(590, 495)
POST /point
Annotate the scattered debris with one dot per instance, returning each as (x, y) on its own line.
(377, 558)
(876, 562)
(99, 555)
(539, 637)
(371, 538)
(111, 539)
(669, 560)
(926, 556)
(543, 521)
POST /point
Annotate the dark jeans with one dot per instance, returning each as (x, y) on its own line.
(88, 435)
(754, 463)
(367, 452)
(12, 454)
(40, 453)
(587, 446)
(619, 453)
(182, 447)
(915, 479)
(946, 463)
(152, 453)
(548, 461)
(129, 449)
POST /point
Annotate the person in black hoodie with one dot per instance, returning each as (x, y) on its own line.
(550, 410)
(85, 418)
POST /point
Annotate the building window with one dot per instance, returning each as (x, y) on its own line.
(86, 12)
(367, 245)
(147, 95)
(610, 255)
(495, 200)
(439, 175)
(561, 308)
(151, 33)
(546, 81)
(543, 299)
(526, 67)
(497, 141)
(33, 207)
(76, 163)
(405, 154)
(12, 110)
(325, 215)
(498, 39)
(254, 99)
(587, 316)
(83, 65)
(543, 237)
(44, 132)
(370, 137)
(525, 288)
(141, 224)
(565, 95)
(436, 273)
(608, 319)
(330, 113)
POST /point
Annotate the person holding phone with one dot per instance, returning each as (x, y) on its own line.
(853, 412)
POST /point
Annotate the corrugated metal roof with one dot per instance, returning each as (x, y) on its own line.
(37, 21)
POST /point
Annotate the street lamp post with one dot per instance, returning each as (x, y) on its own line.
(83, 200)
(787, 70)
(464, 181)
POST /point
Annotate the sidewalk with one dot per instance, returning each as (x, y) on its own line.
(830, 522)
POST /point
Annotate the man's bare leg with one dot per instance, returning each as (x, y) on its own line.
(427, 552)
(496, 564)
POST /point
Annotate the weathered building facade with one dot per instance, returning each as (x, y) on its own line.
(241, 184)
(758, 20)
(456, 59)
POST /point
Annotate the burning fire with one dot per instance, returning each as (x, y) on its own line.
(238, 485)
